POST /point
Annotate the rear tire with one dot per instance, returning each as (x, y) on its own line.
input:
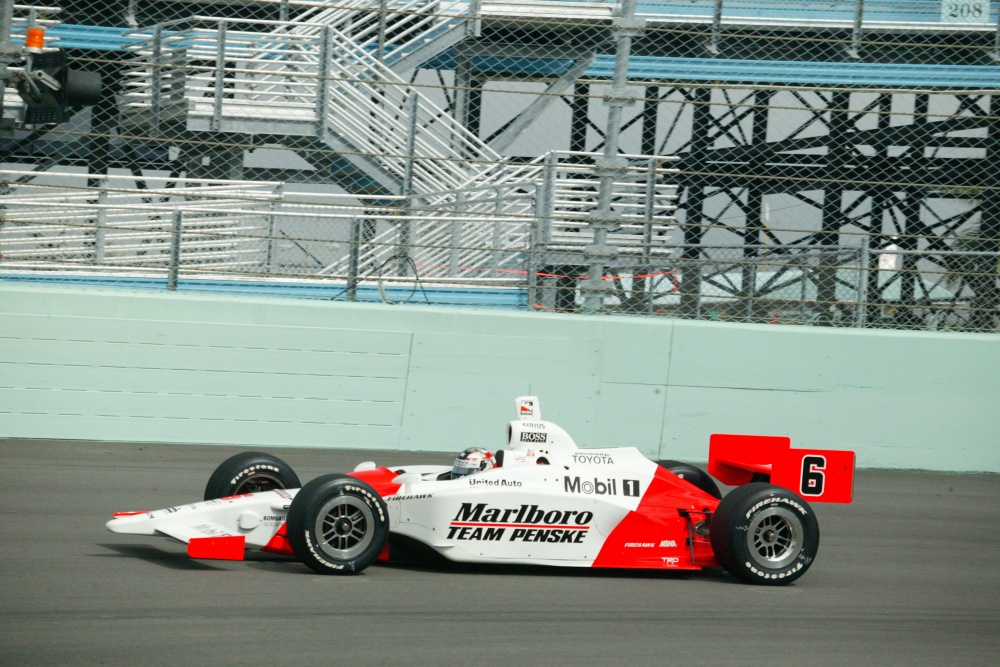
(337, 524)
(250, 472)
(764, 534)
(695, 476)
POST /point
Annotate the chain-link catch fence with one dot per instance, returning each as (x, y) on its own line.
(822, 162)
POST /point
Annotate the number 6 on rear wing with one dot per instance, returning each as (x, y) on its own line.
(818, 475)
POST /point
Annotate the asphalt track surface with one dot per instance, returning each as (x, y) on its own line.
(907, 575)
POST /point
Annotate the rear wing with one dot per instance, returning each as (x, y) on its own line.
(818, 475)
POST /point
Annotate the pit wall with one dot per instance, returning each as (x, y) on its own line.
(265, 373)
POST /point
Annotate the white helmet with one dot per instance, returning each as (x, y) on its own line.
(473, 459)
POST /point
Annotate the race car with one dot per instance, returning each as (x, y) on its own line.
(541, 501)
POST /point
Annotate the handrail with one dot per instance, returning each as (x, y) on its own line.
(484, 227)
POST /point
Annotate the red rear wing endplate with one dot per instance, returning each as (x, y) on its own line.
(818, 475)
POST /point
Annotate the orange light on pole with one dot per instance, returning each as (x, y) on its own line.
(34, 40)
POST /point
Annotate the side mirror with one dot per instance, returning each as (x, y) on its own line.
(407, 480)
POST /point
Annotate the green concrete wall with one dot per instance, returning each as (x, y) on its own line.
(161, 367)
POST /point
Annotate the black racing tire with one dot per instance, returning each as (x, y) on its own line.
(695, 476)
(764, 534)
(337, 524)
(250, 472)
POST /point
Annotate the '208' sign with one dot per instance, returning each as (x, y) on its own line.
(965, 11)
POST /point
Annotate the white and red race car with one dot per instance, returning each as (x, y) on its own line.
(546, 502)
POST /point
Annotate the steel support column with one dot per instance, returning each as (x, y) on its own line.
(912, 227)
(609, 166)
(986, 302)
(882, 204)
(650, 107)
(694, 217)
(579, 109)
(838, 153)
(755, 202)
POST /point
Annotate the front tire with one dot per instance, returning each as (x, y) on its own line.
(250, 472)
(764, 534)
(337, 524)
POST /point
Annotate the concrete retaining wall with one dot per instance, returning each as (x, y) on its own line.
(125, 366)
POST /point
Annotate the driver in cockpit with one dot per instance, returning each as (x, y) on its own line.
(473, 460)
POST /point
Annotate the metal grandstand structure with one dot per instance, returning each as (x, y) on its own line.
(822, 161)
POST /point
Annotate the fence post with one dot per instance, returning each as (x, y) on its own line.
(549, 195)
(382, 19)
(102, 221)
(408, 175)
(220, 78)
(412, 108)
(713, 46)
(497, 234)
(272, 207)
(854, 50)
(610, 166)
(647, 235)
(353, 259)
(534, 241)
(861, 316)
(476, 11)
(156, 82)
(175, 250)
(323, 81)
(455, 230)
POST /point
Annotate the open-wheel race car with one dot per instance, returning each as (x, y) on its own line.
(541, 500)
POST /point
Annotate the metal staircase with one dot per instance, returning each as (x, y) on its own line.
(401, 34)
(329, 88)
(329, 97)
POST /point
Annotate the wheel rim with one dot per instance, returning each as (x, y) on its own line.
(344, 528)
(774, 538)
(257, 483)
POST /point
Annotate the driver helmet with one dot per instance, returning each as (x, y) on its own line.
(473, 459)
